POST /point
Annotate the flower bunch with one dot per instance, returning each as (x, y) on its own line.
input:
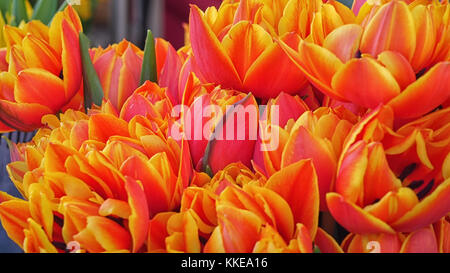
(275, 122)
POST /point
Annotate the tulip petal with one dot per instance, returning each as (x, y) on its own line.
(266, 80)
(392, 28)
(344, 41)
(417, 99)
(317, 63)
(109, 234)
(353, 218)
(326, 242)
(297, 184)
(420, 241)
(398, 66)
(14, 215)
(71, 60)
(39, 86)
(103, 126)
(365, 82)
(428, 211)
(213, 61)
(138, 220)
(303, 145)
(239, 228)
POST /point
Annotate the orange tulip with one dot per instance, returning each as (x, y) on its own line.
(100, 175)
(218, 123)
(317, 135)
(263, 69)
(119, 69)
(363, 65)
(391, 181)
(44, 71)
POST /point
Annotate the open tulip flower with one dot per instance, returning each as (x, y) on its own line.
(317, 135)
(44, 70)
(119, 68)
(393, 181)
(83, 171)
(237, 211)
(398, 56)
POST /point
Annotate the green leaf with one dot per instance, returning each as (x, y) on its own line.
(93, 91)
(316, 249)
(19, 11)
(5, 7)
(149, 72)
(44, 10)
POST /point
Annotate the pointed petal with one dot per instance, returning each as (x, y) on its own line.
(365, 82)
(416, 99)
(103, 126)
(297, 184)
(39, 86)
(266, 80)
(428, 211)
(138, 220)
(420, 241)
(353, 218)
(392, 28)
(326, 242)
(398, 66)
(344, 41)
(14, 215)
(210, 56)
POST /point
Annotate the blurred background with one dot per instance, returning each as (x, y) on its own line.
(110, 21)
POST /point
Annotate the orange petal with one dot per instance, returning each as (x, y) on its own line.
(297, 184)
(398, 66)
(239, 229)
(282, 77)
(365, 82)
(426, 37)
(392, 28)
(41, 207)
(39, 54)
(303, 145)
(420, 241)
(428, 211)
(36, 85)
(416, 99)
(115, 208)
(212, 60)
(246, 35)
(350, 177)
(110, 235)
(344, 41)
(317, 63)
(138, 220)
(353, 218)
(14, 215)
(326, 242)
(71, 60)
(157, 232)
(393, 205)
(103, 126)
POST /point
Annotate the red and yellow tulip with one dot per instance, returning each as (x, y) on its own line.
(390, 181)
(395, 57)
(44, 70)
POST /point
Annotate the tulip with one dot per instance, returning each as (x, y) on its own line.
(87, 170)
(262, 69)
(218, 123)
(398, 72)
(276, 217)
(119, 69)
(37, 56)
(377, 192)
(317, 135)
(431, 239)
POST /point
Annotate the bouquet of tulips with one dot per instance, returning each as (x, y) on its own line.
(290, 126)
